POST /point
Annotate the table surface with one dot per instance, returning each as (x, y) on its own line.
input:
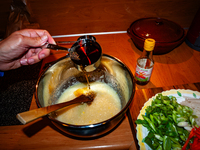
(179, 68)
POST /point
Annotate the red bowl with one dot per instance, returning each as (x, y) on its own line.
(167, 34)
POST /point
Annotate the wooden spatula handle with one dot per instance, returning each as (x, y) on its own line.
(28, 116)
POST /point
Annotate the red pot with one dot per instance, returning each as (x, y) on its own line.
(167, 34)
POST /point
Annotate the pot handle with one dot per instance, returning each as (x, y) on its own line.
(129, 32)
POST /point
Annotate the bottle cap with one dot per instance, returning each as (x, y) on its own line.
(149, 44)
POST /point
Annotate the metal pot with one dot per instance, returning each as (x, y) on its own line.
(167, 34)
(63, 74)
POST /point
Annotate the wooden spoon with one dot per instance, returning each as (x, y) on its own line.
(28, 116)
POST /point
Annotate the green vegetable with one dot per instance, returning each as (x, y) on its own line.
(167, 121)
(148, 141)
(159, 148)
(158, 137)
(151, 124)
(166, 143)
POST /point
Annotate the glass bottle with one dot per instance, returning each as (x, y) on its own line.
(145, 63)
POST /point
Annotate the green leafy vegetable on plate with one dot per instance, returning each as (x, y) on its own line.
(168, 122)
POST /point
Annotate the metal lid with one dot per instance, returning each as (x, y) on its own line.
(162, 30)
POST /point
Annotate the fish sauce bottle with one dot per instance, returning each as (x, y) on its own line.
(145, 63)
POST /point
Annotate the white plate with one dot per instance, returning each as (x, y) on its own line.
(180, 95)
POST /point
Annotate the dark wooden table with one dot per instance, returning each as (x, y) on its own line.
(177, 69)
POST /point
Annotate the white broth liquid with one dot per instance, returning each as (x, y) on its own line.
(105, 105)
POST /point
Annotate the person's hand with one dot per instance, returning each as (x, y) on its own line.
(23, 48)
